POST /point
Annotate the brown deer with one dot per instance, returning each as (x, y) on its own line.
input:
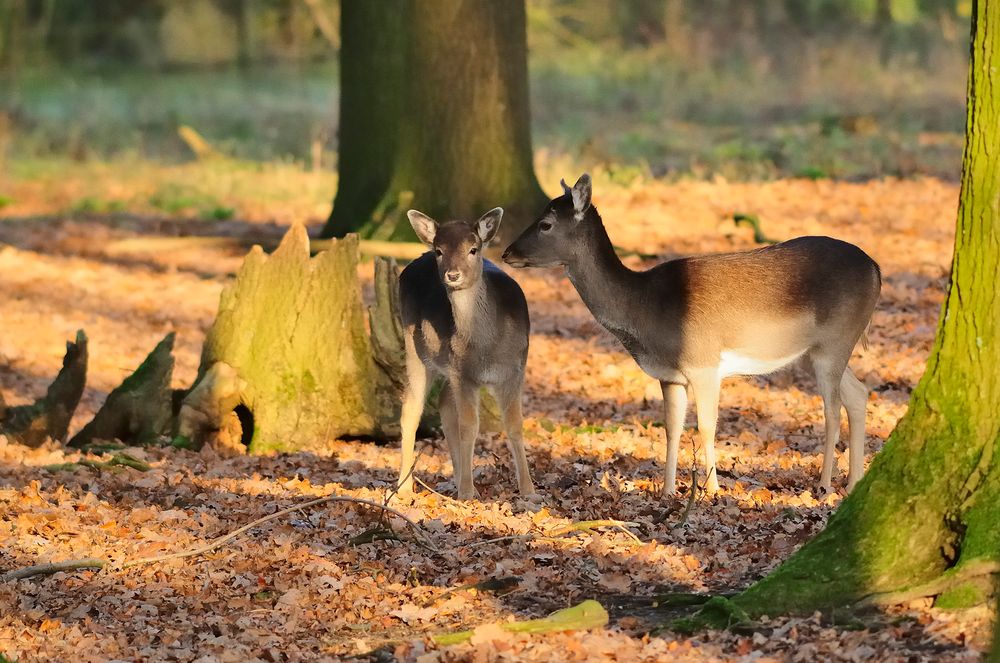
(465, 319)
(693, 321)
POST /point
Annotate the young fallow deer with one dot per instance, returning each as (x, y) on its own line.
(693, 321)
(465, 319)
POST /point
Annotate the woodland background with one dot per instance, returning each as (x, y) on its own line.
(813, 116)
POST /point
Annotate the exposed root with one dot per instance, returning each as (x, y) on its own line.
(948, 580)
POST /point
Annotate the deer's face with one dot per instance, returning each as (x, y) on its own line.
(552, 240)
(457, 245)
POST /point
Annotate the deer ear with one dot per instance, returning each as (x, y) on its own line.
(581, 195)
(488, 224)
(566, 190)
(423, 225)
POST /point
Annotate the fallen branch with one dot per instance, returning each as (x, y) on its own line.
(117, 460)
(371, 247)
(55, 567)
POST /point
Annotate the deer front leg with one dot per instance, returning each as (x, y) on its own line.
(413, 406)
(448, 407)
(675, 408)
(467, 401)
(705, 385)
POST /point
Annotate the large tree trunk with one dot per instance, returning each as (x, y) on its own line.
(457, 137)
(371, 76)
(926, 518)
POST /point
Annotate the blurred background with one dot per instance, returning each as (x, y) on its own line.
(744, 90)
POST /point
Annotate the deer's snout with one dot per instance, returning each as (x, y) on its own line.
(453, 276)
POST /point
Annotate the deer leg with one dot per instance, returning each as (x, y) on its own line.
(706, 398)
(675, 407)
(413, 406)
(509, 399)
(855, 396)
(449, 424)
(468, 426)
(828, 378)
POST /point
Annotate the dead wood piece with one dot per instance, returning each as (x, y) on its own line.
(139, 410)
(49, 417)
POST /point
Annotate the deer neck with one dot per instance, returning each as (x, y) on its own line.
(606, 286)
(467, 305)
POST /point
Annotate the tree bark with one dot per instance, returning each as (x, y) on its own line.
(371, 77)
(456, 140)
(930, 504)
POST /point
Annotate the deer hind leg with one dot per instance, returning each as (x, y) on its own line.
(414, 395)
(855, 396)
(675, 408)
(509, 399)
(828, 372)
(467, 400)
(705, 385)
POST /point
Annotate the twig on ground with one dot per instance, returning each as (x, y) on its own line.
(426, 487)
(55, 567)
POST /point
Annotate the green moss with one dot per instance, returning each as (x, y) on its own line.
(966, 595)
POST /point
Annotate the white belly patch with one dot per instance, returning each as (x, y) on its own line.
(734, 363)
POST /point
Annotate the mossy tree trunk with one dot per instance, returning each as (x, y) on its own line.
(926, 518)
(458, 120)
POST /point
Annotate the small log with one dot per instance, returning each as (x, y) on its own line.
(49, 417)
(141, 245)
(139, 411)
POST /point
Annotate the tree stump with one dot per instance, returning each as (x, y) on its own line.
(139, 410)
(293, 329)
(49, 417)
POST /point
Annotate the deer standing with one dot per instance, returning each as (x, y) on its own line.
(465, 319)
(693, 321)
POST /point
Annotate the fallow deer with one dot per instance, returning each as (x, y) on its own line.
(693, 321)
(467, 320)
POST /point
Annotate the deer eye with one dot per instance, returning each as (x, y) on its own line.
(473, 251)
(545, 226)
(438, 253)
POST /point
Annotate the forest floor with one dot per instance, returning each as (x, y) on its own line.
(302, 589)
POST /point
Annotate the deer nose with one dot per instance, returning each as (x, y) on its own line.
(452, 276)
